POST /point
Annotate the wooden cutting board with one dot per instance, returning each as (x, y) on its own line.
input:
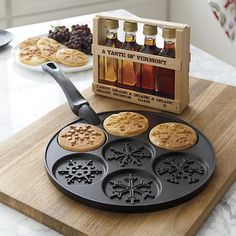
(24, 184)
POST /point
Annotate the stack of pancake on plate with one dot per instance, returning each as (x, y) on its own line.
(35, 51)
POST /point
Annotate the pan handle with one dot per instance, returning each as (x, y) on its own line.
(77, 102)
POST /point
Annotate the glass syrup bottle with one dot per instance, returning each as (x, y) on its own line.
(128, 69)
(166, 77)
(108, 67)
(148, 73)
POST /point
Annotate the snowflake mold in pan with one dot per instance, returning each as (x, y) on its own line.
(131, 174)
(80, 171)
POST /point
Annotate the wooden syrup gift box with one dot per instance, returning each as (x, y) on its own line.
(180, 64)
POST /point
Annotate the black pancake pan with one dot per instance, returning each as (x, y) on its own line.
(126, 174)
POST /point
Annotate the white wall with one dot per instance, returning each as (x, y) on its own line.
(2, 14)
(34, 11)
(154, 9)
(206, 32)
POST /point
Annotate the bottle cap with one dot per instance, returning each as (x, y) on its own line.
(168, 33)
(130, 26)
(111, 24)
(149, 29)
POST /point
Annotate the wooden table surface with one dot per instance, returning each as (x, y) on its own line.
(25, 186)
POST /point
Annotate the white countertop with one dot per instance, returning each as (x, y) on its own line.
(25, 96)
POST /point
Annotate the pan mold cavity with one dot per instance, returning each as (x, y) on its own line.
(128, 152)
(131, 187)
(181, 168)
(79, 169)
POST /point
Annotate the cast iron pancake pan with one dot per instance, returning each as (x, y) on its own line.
(131, 174)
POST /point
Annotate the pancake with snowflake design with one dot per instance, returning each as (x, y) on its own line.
(81, 137)
(49, 48)
(126, 124)
(173, 136)
(71, 57)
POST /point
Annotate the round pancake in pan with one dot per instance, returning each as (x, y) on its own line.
(81, 137)
(173, 136)
(126, 124)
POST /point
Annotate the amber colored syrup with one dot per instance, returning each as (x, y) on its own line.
(166, 77)
(108, 67)
(128, 69)
(147, 74)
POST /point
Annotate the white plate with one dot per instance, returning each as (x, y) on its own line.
(15, 53)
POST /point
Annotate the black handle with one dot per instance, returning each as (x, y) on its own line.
(78, 104)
